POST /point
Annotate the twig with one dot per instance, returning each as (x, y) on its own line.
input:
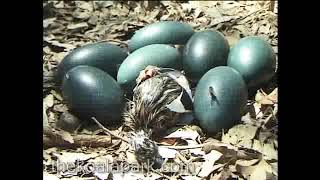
(113, 40)
(53, 138)
(184, 147)
(108, 131)
(127, 141)
(182, 158)
(159, 173)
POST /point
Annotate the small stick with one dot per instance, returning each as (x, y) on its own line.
(113, 40)
(108, 131)
(184, 147)
(127, 141)
(159, 173)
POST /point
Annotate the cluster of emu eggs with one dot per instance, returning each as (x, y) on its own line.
(222, 74)
(86, 76)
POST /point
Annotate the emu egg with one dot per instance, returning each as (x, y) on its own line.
(102, 55)
(254, 59)
(220, 98)
(163, 32)
(160, 55)
(91, 92)
(204, 51)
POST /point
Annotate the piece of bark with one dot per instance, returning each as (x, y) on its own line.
(52, 138)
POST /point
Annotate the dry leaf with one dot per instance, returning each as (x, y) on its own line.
(184, 134)
(222, 20)
(239, 133)
(56, 95)
(224, 174)
(66, 136)
(48, 176)
(58, 4)
(60, 108)
(83, 15)
(103, 4)
(212, 144)
(260, 171)
(48, 101)
(263, 98)
(131, 158)
(233, 38)
(167, 153)
(208, 166)
(190, 178)
(45, 117)
(253, 170)
(257, 109)
(257, 145)
(84, 5)
(67, 47)
(93, 20)
(78, 26)
(274, 167)
(102, 175)
(270, 152)
(134, 175)
(72, 157)
(48, 21)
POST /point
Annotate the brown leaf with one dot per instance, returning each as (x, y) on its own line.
(66, 136)
(58, 4)
(208, 166)
(263, 98)
(83, 15)
(103, 4)
(66, 46)
(212, 144)
(48, 101)
(239, 133)
(85, 5)
(48, 22)
(186, 133)
(93, 19)
(56, 95)
(60, 108)
(233, 38)
(270, 152)
(45, 117)
(50, 176)
(222, 175)
(168, 141)
(260, 171)
(78, 26)
(222, 20)
(253, 170)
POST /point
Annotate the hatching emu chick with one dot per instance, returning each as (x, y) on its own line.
(147, 115)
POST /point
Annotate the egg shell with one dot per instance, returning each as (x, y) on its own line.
(220, 98)
(254, 59)
(102, 55)
(91, 92)
(204, 51)
(163, 32)
(159, 55)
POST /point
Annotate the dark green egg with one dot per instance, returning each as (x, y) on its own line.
(103, 55)
(254, 59)
(160, 55)
(204, 51)
(164, 32)
(220, 98)
(91, 92)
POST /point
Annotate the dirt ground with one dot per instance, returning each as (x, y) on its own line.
(249, 150)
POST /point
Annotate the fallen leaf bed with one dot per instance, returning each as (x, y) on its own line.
(246, 151)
